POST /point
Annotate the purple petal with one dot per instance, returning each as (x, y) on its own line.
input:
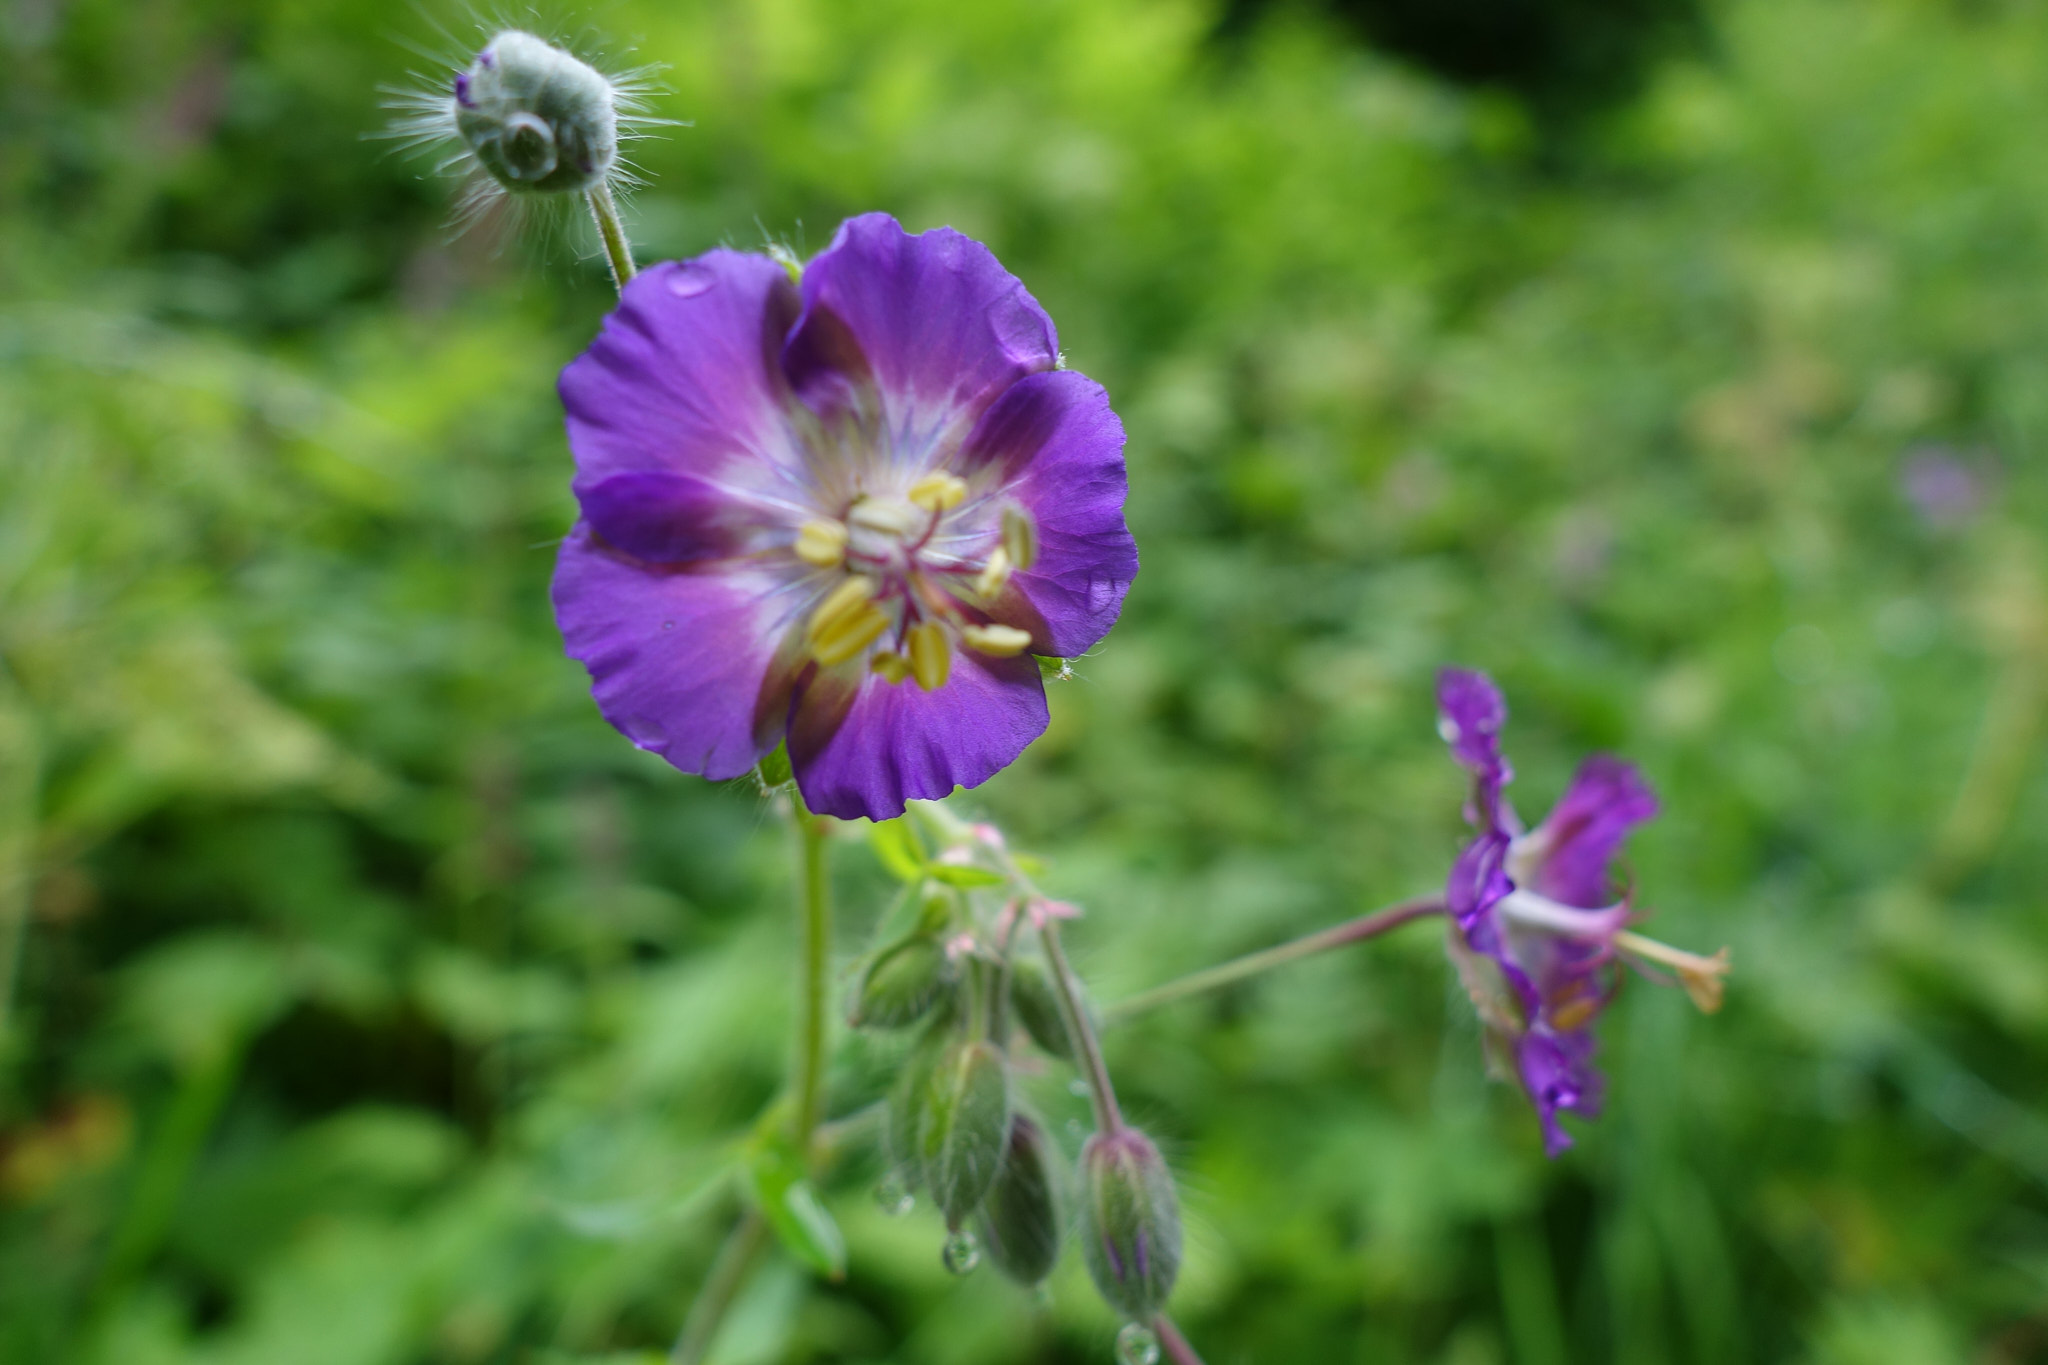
(862, 746)
(678, 658)
(1478, 878)
(1056, 448)
(1577, 842)
(931, 329)
(1471, 714)
(1558, 1073)
(685, 377)
(663, 518)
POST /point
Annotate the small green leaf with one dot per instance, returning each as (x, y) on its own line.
(963, 876)
(776, 1182)
(896, 845)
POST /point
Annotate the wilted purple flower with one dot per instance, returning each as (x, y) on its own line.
(1537, 928)
(842, 512)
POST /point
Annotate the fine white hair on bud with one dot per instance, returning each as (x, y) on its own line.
(526, 119)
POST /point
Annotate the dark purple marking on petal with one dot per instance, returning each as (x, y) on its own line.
(462, 90)
(1116, 1262)
(677, 657)
(1471, 715)
(861, 746)
(663, 518)
(1054, 446)
(686, 378)
(1141, 1255)
(932, 322)
(1579, 839)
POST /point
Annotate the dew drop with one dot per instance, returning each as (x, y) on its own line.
(1136, 1345)
(668, 625)
(962, 1253)
(893, 1197)
(688, 281)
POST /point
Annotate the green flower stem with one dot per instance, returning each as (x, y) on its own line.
(1212, 978)
(617, 250)
(721, 1287)
(1177, 1348)
(814, 910)
(1108, 1117)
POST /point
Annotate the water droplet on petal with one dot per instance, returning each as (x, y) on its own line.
(1136, 1345)
(893, 1197)
(688, 281)
(668, 625)
(962, 1253)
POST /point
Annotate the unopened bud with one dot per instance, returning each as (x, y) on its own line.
(902, 984)
(965, 1127)
(539, 120)
(1036, 1008)
(1019, 1222)
(1130, 1222)
(903, 1109)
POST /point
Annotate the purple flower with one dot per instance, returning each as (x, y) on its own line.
(1537, 928)
(842, 512)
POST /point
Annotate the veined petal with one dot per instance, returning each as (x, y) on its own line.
(679, 658)
(929, 328)
(1570, 852)
(1052, 445)
(861, 746)
(686, 378)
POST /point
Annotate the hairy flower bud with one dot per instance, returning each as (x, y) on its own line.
(538, 120)
(1036, 1008)
(902, 984)
(965, 1126)
(1130, 1222)
(1019, 1222)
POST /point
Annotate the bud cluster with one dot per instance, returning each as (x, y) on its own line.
(953, 963)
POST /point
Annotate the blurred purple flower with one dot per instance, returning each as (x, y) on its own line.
(1536, 929)
(842, 513)
(1946, 487)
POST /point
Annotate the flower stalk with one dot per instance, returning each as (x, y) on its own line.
(814, 915)
(1265, 960)
(618, 250)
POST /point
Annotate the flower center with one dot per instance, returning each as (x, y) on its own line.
(917, 573)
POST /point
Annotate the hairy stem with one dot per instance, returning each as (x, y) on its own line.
(1108, 1118)
(1223, 974)
(721, 1287)
(814, 910)
(618, 251)
(1176, 1345)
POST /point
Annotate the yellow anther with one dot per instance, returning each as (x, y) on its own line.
(1000, 641)
(1575, 1010)
(822, 543)
(937, 491)
(846, 622)
(891, 665)
(1020, 537)
(994, 574)
(931, 658)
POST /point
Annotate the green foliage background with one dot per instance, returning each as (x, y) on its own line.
(377, 1004)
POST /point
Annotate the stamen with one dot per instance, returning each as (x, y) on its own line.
(1540, 912)
(1701, 976)
(994, 574)
(1575, 1009)
(938, 491)
(931, 658)
(893, 667)
(1020, 537)
(846, 622)
(1001, 642)
(822, 543)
